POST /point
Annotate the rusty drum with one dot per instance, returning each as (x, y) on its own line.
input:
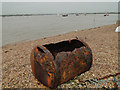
(55, 63)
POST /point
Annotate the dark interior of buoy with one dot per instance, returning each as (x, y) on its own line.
(65, 46)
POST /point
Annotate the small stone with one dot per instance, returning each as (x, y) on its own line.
(93, 75)
(111, 78)
(72, 83)
(14, 83)
(76, 81)
(39, 86)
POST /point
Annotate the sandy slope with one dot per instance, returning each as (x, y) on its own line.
(102, 40)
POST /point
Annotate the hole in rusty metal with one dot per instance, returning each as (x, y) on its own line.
(65, 46)
(39, 49)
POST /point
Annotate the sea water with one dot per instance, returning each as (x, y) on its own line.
(18, 28)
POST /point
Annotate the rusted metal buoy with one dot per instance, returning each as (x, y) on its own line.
(56, 63)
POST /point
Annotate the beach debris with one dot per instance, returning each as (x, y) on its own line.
(55, 63)
(6, 51)
(106, 14)
(117, 29)
(77, 14)
(64, 15)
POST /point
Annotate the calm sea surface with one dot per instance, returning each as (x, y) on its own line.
(18, 28)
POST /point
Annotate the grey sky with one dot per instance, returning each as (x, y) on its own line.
(57, 7)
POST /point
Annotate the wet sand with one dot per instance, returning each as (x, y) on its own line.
(103, 41)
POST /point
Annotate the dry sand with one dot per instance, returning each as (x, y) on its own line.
(16, 70)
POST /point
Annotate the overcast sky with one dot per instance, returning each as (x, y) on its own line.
(57, 7)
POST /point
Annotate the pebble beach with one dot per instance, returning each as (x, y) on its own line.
(103, 41)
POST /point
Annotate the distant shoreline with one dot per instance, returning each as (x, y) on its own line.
(54, 14)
